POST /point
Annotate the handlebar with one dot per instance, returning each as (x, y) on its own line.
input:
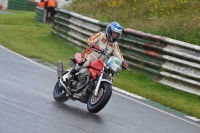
(126, 68)
(102, 52)
(99, 51)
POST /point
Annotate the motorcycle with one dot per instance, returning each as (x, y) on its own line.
(91, 85)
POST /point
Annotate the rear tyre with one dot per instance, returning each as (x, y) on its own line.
(97, 103)
(59, 93)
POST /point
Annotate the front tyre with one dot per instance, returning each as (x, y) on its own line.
(97, 103)
(59, 93)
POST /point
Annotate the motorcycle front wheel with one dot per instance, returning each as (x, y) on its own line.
(59, 93)
(97, 103)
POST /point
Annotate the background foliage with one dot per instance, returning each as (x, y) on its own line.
(177, 19)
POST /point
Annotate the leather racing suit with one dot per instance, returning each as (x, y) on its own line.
(104, 43)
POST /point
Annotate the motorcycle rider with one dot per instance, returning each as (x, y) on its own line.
(106, 41)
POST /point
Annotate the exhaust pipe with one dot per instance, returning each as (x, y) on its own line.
(65, 87)
(60, 74)
(59, 69)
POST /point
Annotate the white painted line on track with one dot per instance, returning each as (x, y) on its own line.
(157, 109)
(128, 93)
(118, 93)
(26, 58)
(193, 118)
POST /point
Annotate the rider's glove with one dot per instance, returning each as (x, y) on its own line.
(93, 45)
(125, 65)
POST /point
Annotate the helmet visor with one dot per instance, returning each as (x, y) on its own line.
(115, 35)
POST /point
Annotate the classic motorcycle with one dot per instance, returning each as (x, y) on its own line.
(91, 85)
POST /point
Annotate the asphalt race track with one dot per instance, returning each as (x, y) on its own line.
(27, 106)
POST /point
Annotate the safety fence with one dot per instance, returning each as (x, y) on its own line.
(40, 15)
(24, 5)
(171, 62)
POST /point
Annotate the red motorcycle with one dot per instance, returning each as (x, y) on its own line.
(91, 85)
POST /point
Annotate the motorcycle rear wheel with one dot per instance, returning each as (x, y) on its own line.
(59, 93)
(97, 103)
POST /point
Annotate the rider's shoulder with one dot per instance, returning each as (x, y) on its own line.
(99, 34)
(115, 43)
(102, 33)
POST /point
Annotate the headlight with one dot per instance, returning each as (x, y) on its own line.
(115, 64)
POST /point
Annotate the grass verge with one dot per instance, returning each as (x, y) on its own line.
(177, 19)
(20, 33)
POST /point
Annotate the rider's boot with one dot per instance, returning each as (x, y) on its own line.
(68, 75)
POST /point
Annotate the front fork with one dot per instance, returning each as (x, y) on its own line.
(99, 82)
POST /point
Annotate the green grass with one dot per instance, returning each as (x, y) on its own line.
(145, 87)
(177, 19)
(19, 32)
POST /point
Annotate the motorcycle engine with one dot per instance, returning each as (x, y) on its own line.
(79, 85)
(81, 80)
